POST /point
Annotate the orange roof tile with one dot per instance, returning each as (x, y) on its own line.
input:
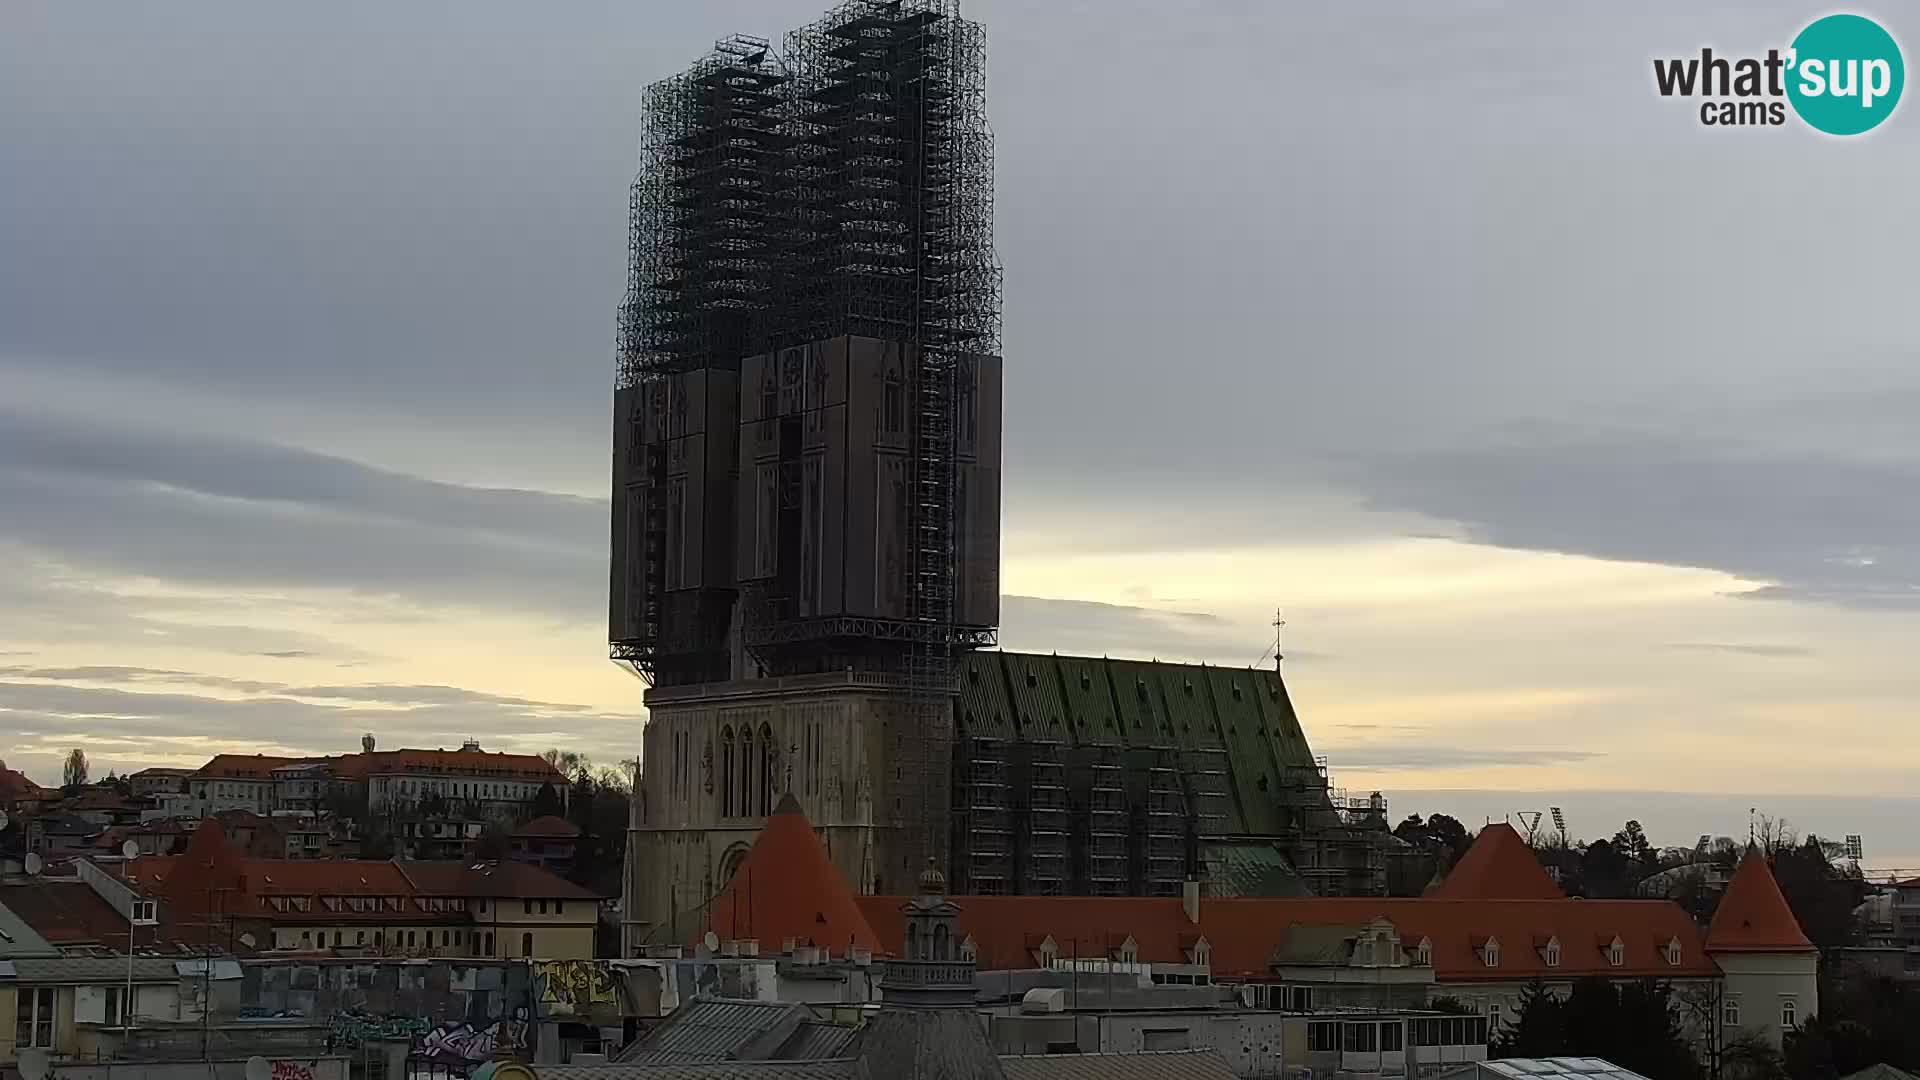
(244, 766)
(787, 888)
(548, 825)
(1499, 866)
(1243, 932)
(1753, 916)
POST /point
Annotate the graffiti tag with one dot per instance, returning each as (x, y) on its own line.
(292, 1070)
(574, 987)
(352, 1027)
(455, 1043)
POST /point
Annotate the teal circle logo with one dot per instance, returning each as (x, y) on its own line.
(1845, 74)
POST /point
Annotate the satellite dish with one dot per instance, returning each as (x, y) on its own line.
(34, 863)
(247, 940)
(711, 941)
(258, 1069)
(129, 850)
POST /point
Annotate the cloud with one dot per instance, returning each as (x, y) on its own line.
(1442, 757)
(1816, 528)
(248, 514)
(1743, 648)
(119, 674)
(46, 716)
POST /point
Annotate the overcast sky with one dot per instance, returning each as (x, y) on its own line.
(1577, 440)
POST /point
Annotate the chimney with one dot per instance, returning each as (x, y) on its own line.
(1190, 900)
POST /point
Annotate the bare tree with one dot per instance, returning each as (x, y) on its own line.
(74, 772)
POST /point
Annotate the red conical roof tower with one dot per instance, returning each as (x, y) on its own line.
(787, 888)
(1753, 916)
(1499, 866)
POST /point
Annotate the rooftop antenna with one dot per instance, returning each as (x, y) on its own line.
(1273, 647)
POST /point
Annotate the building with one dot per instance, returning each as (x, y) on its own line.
(805, 524)
(147, 783)
(1481, 938)
(391, 782)
(547, 842)
(399, 908)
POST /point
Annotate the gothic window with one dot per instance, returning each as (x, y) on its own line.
(747, 771)
(726, 772)
(768, 766)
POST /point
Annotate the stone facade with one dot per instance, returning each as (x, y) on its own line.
(868, 763)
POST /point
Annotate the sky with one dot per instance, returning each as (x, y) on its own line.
(1574, 439)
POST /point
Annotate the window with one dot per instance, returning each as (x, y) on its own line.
(34, 1026)
(726, 772)
(1297, 998)
(528, 904)
(1673, 953)
(1616, 954)
(1789, 1014)
(526, 944)
(306, 938)
(1152, 1039)
(489, 948)
(1359, 1037)
(543, 907)
(338, 936)
(1730, 1013)
(1391, 1035)
(1423, 955)
(1553, 954)
(359, 937)
(1323, 1036)
(143, 913)
(1491, 954)
(111, 1015)
(557, 906)
(409, 939)
(1493, 1014)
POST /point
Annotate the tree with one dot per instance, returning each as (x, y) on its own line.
(1447, 1003)
(1821, 894)
(1604, 870)
(1631, 1025)
(494, 844)
(546, 801)
(1631, 842)
(74, 772)
(1748, 1056)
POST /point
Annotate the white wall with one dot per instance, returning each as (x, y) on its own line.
(1762, 983)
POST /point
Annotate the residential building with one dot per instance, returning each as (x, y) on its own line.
(547, 842)
(406, 908)
(490, 785)
(58, 835)
(1481, 939)
(18, 792)
(150, 782)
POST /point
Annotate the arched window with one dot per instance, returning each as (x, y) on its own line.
(766, 770)
(913, 941)
(746, 772)
(726, 772)
(526, 944)
(940, 944)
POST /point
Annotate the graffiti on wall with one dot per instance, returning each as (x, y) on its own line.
(291, 1070)
(352, 1027)
(453, 1043)
(575, 988)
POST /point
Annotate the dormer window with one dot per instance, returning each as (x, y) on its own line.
(1048, 952)
(1423, 953)
(1553, 954)
(1617, 954)
(1673, 953)
(1490, 953)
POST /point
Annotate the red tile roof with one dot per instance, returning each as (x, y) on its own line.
(1243, 933)
(502, 880)
(67, 913)
(247, 886)
(16, 786)
(787, 888)
(244, 766)
(1499, 866)
(448, 763)
(548, 825)
(1753, 916)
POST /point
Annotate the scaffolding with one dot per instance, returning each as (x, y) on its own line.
(889, 200)
(842, 186)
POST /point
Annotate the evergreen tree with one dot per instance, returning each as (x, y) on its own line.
(546, 801)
